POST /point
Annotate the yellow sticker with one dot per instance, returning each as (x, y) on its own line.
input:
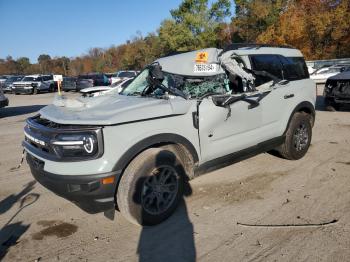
(202, 57)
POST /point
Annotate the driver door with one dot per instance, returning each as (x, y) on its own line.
(222, 132)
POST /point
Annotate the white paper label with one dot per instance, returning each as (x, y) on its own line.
(57, 78)
(205, 68)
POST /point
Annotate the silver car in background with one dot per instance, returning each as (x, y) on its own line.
(3, 99)
(8, 84)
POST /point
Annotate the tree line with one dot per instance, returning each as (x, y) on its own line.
(319, 28)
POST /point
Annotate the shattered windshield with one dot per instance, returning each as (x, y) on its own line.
(192, 87)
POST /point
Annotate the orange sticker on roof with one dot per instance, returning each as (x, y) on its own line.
(202, 57)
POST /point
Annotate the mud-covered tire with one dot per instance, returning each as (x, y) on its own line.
(299, 129)
(135, 197)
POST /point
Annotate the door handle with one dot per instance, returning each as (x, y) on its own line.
(288, 96)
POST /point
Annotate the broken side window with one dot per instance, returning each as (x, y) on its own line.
(196, 88)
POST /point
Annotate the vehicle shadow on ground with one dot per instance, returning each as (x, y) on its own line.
(19, 110)
(172, 240)
(12, 199)
(10, 233)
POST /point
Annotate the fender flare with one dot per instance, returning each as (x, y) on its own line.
(164, 138)
(303, 106)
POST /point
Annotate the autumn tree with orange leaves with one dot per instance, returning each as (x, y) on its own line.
(319, 28)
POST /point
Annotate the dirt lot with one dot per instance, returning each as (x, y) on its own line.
(37, 225)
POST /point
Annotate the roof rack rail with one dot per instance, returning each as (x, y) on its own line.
(236, 46)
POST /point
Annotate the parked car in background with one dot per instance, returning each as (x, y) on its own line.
(69, 84)
(123, 74)
(90, 80)
(100, 90)
(3, 78)
(7, 85)
(34, 84)
(3, 99)
(321, 75)
(310, 69)
(109, 76)
(122, 84)
(337, 91)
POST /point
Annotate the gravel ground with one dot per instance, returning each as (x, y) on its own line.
(37, 225)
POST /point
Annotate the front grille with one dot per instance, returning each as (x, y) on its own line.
(339, 88)
(22, 85)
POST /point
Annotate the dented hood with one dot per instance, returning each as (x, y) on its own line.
(112, 109)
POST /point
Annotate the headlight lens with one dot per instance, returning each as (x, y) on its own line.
(76, 145)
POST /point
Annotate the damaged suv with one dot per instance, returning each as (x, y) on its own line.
(180, 117)
(337, 91)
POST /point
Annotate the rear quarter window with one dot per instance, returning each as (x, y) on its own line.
(294, 68)
(268, 63)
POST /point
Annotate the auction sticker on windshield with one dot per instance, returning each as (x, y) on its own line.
(204, 68)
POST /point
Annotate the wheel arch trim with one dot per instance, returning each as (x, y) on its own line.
(155, 140)
(303, 106)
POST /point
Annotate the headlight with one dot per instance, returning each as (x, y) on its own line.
(76, 145)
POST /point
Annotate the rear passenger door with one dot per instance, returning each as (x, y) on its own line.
(275, 105)
(46, 83)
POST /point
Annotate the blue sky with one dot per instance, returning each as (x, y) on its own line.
(70, 27)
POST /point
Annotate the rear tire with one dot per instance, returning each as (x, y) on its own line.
(298, 137)
(151, 187)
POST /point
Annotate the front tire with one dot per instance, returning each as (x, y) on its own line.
(151, 187)
(298, 137)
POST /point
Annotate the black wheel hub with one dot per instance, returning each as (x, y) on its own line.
(160, 190)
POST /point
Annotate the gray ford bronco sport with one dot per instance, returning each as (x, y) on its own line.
(181, 116)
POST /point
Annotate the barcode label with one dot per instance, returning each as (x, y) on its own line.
(204, 68)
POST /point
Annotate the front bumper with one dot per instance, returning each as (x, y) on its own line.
(4, 102)
(7, 89)
(86, 191)
(337, 95)
(21, 90)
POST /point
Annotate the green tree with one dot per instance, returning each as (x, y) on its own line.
(45, 64)
(193, 25)
(23, 65)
